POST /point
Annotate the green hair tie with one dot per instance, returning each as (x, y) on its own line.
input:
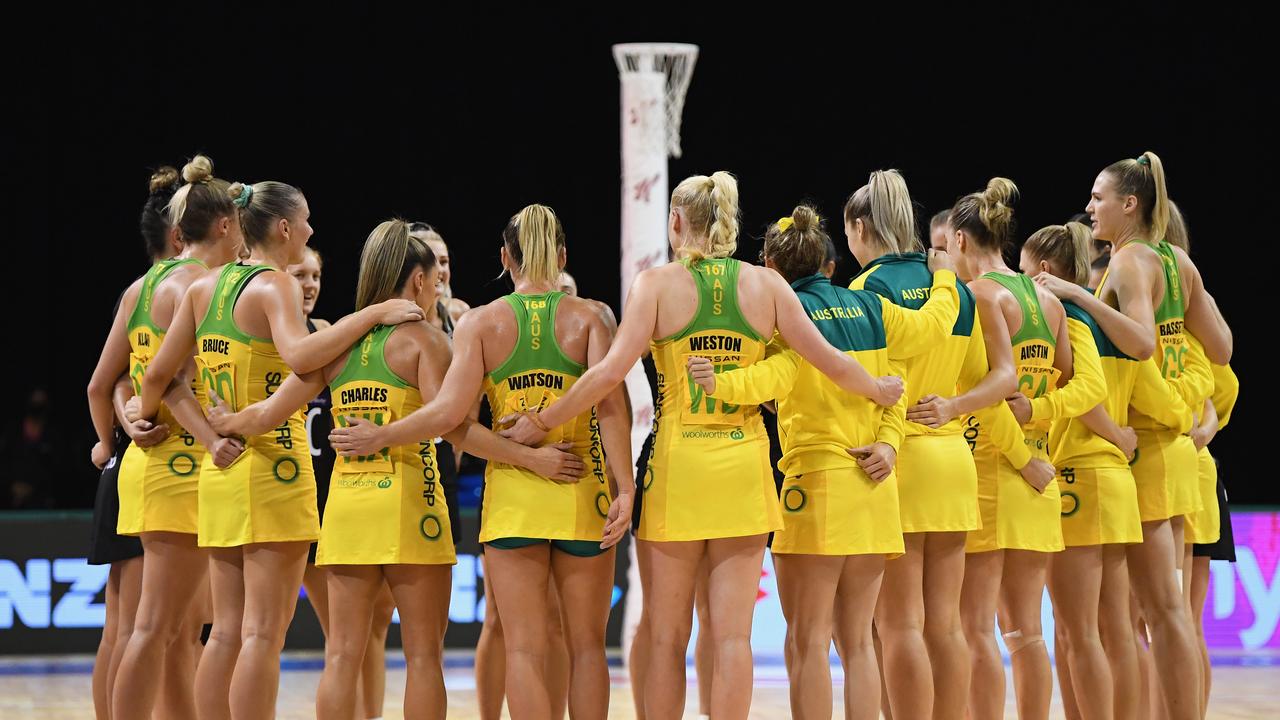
(1143, 160)
(246, 194)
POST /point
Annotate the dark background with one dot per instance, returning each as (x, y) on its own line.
(461, 119)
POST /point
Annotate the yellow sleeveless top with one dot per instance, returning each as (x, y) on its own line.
(517, 502)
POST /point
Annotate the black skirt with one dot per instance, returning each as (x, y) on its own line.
(1225, 548)
(319, 423)
(105, 546)
(447, 464)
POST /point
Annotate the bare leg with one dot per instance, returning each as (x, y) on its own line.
(585, 586)
(174, 570)
(315, 580)
(373, 670)
(1075, 583)
(1116, 630)
(491, 661)
(218, 661)
(807, 589)
(885, 710)
(1062, 662)
(900, 624)
(860, 586)
(352, 589)
(106, 646)
(422, 594)
(178, 677)
(519, 578)
(949, 659)
(668, 610)
(637, 665)
(704, 660)
(130, 596)
(1021, 591)
(272, 577)
(1178, 526)
(558, 652)
(1199, 590)
(1148, 687)
(978, 600)
(1187, 570)
(1173, 646)
(735, 565)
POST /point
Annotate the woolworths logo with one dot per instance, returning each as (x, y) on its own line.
(364, 483)
(734, 434)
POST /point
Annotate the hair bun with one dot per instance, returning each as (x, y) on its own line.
(200, 169)
(804, 217)
(1000, 191)
(163, 179)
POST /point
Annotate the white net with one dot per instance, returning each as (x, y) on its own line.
(675, 62)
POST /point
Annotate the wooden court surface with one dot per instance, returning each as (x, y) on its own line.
(60, 691)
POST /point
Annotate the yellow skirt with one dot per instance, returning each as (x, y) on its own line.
(158, 487)
(1205, 526)
(937, 484)
(1014, 516)
(1099, 506)
(1168, 475)
(380, 519)
(706, 482)
(264, 496)
(839, 512)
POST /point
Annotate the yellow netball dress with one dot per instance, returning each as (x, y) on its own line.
(520, 507)
(937, 483)
(1165, 468)
(830, 505)
(157, 484)
(387, 508)
(709, 474)
(1014, 515)
(1205, 526)
(1099, 499)
(269, 493)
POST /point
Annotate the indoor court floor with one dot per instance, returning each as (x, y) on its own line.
(57, 688)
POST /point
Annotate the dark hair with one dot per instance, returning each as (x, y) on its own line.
(797, 244)
(832, 255)
(154, 222)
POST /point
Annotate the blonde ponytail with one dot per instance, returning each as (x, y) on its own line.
(710, 207)
(533, 238)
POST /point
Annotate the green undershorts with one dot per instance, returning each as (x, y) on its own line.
(577, 548)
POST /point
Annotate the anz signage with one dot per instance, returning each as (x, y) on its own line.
(27, 593)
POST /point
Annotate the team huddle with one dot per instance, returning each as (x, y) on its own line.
(954, 436)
